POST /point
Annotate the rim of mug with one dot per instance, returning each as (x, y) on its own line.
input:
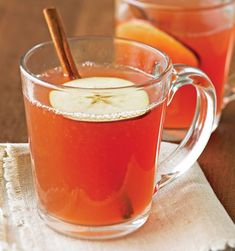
(164, 7)
(36, 80)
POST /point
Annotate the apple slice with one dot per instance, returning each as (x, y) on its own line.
(145, 32)
(90, 101)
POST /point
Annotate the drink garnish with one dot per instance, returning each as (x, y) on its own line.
(145, 32)
(99, 104)
(55, 26)
(138, 12)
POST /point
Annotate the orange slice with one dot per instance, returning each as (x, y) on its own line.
(145, 32)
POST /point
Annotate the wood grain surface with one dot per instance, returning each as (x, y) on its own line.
(22, 25)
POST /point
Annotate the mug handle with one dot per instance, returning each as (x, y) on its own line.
(229, 92)
(190, 148)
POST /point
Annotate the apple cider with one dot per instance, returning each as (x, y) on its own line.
(92, 171)
(198, 33)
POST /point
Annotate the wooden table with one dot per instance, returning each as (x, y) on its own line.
(22, 25)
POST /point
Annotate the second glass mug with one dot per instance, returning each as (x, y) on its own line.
(198, 33)
(95, 148)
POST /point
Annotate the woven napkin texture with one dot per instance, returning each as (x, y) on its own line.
(186, 215)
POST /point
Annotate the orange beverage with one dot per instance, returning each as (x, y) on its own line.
(87, 171)
(196, 33)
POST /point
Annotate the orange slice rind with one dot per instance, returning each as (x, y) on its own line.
(145, 32)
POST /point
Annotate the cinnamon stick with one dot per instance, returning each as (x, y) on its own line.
(59, 39)
(138, 12)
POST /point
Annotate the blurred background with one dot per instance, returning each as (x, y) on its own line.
(22, 25)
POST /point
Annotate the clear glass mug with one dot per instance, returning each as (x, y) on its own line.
(95, 141)
(198, 33)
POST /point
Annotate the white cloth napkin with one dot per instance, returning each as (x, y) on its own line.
(186, 215)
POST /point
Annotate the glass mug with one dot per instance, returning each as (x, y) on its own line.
(198, 33)
(95, 141)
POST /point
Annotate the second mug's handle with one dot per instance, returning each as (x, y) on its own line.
(190, 148)
(229, 92)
